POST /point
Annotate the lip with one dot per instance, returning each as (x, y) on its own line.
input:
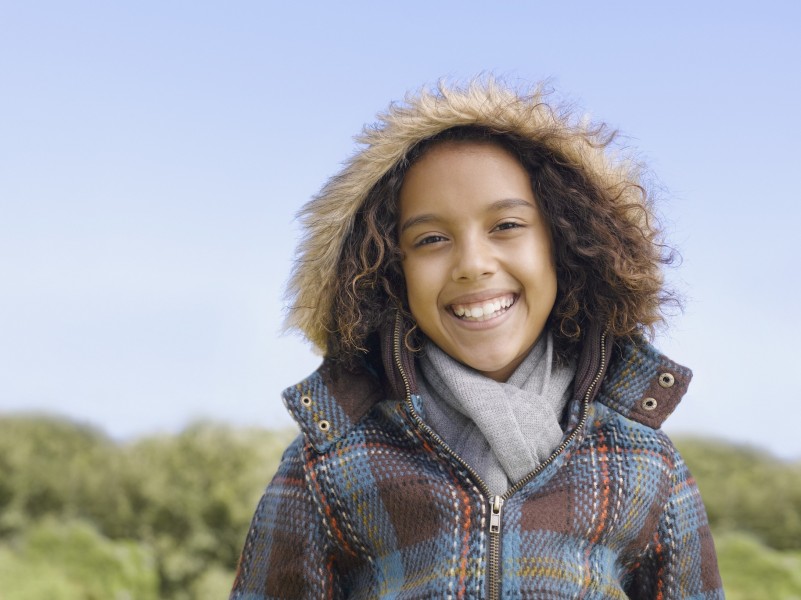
(482, 297)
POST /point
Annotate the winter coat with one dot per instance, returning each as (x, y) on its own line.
(369, 502)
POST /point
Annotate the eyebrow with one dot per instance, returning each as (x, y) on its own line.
(498, 205)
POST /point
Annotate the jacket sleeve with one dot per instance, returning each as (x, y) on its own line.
(287, 553)
(680, 562)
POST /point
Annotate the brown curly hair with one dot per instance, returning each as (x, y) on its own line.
(608, 251)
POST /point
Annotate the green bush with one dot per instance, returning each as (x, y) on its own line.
(72, 561)
(185, 499)
(752, 571)
(83, 517)
(51, 467)
(747, 490)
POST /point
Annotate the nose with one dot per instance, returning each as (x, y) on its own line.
(473, 260)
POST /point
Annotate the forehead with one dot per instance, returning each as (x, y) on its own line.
(464, 172)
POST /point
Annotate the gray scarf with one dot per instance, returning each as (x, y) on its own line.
(502, 430)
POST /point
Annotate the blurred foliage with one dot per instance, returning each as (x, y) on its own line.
(173, 509)
(72, 561)
(752, 571)
(747, 490)
(83, 517)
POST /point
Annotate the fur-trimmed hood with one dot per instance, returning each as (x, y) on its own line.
(328, 218)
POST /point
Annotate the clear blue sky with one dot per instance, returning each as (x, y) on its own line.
(153, 154)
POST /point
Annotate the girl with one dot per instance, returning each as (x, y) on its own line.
(485, 422)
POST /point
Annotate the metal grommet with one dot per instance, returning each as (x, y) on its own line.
(324, 425)
(666, 380)
(305, 400)
(649, 403)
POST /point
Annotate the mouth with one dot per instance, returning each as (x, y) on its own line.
(484, 310)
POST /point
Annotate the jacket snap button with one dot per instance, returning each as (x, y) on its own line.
(305, 400)
(324, 425)
(666, 380)
(649, 404)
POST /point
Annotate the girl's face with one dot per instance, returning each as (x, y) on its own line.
(478, 259)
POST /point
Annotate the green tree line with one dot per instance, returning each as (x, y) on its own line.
(164, 517)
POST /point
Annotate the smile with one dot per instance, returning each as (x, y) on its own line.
(485, 310)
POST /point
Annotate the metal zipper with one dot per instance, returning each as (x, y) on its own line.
(494, 550)
(495, 501)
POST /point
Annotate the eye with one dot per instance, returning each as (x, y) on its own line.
(430, 239)
(506, 225)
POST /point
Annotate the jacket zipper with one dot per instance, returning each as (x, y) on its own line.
(495, 501)
(494, 551)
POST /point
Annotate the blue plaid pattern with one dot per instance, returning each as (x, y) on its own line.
(376, 508)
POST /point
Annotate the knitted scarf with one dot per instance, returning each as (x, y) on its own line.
(502, 430)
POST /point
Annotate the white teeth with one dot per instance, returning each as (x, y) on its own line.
(484, 311)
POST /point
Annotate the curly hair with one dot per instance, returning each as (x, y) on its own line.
(608, 250)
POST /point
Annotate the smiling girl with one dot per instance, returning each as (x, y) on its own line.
(486, 420)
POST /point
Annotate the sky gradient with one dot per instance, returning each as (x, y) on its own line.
(153, 155)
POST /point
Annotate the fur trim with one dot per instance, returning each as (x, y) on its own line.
(328, 217)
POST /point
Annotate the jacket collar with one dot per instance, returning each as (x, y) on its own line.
(637, 381)
(643, 384)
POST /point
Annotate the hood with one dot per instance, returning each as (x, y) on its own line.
(328, 218)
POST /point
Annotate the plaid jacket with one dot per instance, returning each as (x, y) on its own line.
(370, 503)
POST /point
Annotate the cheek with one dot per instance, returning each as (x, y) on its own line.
(550, 284)
(553, 288)
(420, 288)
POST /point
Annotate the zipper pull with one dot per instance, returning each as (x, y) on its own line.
(495, 514)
